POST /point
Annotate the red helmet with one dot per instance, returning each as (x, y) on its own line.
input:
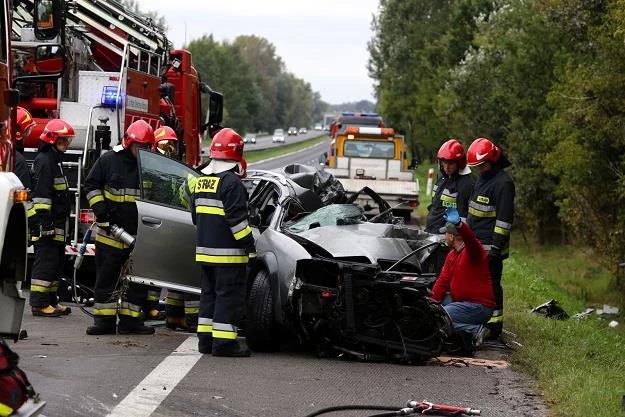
(482, 150)
(227, 144)
(242, 168)
(452, 150)
(25, 124)
(165, 141)
(55, 129)
(140, 132)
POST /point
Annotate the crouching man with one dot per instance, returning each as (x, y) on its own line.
(464, 285)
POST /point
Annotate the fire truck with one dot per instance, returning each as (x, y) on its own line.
(13, 196)
(118, 67)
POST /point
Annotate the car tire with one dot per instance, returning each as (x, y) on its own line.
(261, 332)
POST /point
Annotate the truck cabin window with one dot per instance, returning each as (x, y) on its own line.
(369, 149)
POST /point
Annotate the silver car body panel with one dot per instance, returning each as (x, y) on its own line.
(365, 239)
(165, 247)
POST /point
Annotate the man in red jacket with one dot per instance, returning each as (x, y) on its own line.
(464, 285)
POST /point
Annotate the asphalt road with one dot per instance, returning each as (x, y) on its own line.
(308, 156)
(164, 376)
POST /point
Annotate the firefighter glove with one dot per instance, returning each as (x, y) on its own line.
(494, 252)
(452, 216)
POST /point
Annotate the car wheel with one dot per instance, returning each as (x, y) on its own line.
(261, 332)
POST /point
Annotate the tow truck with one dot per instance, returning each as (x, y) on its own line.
(120, 68)
(363, 156)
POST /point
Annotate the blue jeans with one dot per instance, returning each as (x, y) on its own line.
(466, 316)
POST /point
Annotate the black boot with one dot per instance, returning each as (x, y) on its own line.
(135, 329)
(102, 326)
(235, 349)
(130, 325)
(205, 343)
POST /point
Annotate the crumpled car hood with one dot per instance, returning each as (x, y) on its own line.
(366, 239)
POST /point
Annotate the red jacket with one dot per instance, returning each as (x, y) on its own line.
(465, 273)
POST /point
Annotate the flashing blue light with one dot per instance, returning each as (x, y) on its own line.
(347, 114)
(110, 98)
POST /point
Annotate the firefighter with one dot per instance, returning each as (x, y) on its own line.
(181, 309)
(112, 187)
(453, 189)
(48, 217)
(491, 213)
(25, 124)
(224, 245)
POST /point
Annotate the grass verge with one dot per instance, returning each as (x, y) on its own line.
(578, 365)
(252, 155)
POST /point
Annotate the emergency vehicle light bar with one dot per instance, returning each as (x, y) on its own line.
(110, 98)
(378, 131)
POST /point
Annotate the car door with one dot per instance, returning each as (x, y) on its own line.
(164, 254)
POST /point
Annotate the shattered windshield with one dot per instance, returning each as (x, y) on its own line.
(332, 215)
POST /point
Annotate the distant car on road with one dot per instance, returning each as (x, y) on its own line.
(292, 131)
(303, 130)
(278, 136)
(250, 138)
(318, 126)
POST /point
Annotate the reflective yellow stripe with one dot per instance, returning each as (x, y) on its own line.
(480, 213)
(59, 238)
(104, 311)
(496, 319)
(120, 198)
(152, 297)
(210, 210)
(95, 199)
(241, 234)
(60, 187)
(191, 310)
(111, 242)
(173, 302)
(204, 328)
(220, 334)
(129, 312)
(42, 206)
(39, 288)
(221, 259)
(31, 212)
(5, 410)
(502, 231)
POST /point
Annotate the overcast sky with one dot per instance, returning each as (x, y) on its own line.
(323, 42)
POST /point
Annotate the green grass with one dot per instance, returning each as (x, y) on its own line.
(421, 173)
(578, 365)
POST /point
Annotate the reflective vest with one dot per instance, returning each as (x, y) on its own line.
(50, 206)
(112, 188)
(491, 210)
(453, 191)
(219, 210)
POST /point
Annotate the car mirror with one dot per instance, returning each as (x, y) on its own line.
(50, 59)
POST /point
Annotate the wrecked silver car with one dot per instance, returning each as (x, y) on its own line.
(334, 278)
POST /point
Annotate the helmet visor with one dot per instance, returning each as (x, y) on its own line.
(27, 131)
(167, 147)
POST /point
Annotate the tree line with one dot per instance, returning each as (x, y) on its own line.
(544, 79)
(259, 93)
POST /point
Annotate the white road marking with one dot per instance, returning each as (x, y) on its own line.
(148, 395)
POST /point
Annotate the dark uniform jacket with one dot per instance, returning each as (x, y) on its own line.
(491, 211)
(112, 188)
(220, 213)
(50, 196)
(22, 171)
(453, 191)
